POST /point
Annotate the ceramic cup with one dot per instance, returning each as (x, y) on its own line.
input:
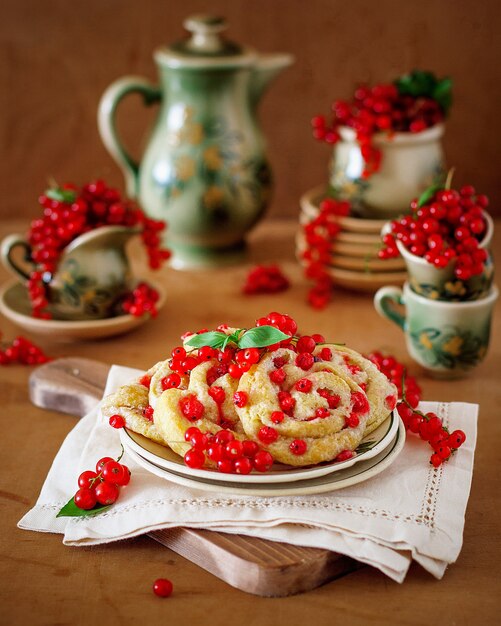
(447, 338)
(410, 162)
(441, 284)
(92, 275)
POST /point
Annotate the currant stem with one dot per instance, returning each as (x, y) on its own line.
(450, 176)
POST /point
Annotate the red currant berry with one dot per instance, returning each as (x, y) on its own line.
(117, 421)
(102, 462)
(306, 344)
(267, 435)
(262, 461)
(226, 466)
(436, 460)
(162, 587)
(178, 353)
(85, 499)
(305, 361)
(233, 449)
(456, 439)
(123, 478)
(111, 470)
(215, 452)
(298, 447)
(303, 385)
(172, 381)
(235, 371)
(106, 493)
(191, 408)
(224, 436)
(344, 455)
(87, 480)
(194, 459)
(277, 417)
(249, 448)
(217, 394)
(240, 399)
(243, 465)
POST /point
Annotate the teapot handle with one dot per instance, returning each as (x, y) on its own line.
(6, 248)
(106, 118)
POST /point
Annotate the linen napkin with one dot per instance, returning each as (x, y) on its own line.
(409, 511)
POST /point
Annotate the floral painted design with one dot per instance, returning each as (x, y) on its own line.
(450, 347)
(454, 290)
(78, 291)
(211, 153)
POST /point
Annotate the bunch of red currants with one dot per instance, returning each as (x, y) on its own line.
(69, 211)
(447, 228)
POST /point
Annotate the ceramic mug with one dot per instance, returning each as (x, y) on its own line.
(441, 284)
(446, 338)
(410, 162)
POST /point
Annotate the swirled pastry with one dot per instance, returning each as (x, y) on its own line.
(381, 393)
(302, 417)
(209, 407)
(249, 397)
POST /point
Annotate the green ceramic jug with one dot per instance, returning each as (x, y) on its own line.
(204, 169)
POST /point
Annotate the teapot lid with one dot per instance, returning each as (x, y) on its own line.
(205, 47)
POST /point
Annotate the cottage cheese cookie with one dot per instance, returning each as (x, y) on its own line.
(381, 393)
(303, 412)
(209, 407)
(132, 403)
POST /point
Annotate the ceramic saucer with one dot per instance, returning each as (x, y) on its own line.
(329, 482)
(15, 305)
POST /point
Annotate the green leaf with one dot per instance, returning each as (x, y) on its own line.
(442, 93)
(213, 339)
(61, 195)
(70, 509)
(428, 194)
(261, 336)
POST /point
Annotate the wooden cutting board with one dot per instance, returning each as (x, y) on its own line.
(258, 566)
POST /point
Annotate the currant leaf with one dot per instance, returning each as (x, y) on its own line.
(212, 339)
(61, 195)
(70, 509)
(428, 194)
(261, 336)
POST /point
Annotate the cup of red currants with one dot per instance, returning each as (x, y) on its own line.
(387, 142)
(449, 297)
(445, 243)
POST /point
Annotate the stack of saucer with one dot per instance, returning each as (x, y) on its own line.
(354, 263)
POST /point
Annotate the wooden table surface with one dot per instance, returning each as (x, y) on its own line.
(44, 582)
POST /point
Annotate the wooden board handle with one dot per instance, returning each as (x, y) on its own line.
(69, 385)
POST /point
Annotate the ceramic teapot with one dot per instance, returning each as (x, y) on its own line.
(204, 169)
(92, 276)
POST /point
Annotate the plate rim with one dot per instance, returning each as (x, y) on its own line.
(277, 489)
(294, 475)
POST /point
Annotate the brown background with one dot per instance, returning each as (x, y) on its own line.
(57, 57)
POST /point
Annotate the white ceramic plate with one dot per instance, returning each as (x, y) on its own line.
(165, 458)
(15, 305)
(330, 482)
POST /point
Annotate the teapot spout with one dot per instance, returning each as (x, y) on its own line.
(268, 66)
